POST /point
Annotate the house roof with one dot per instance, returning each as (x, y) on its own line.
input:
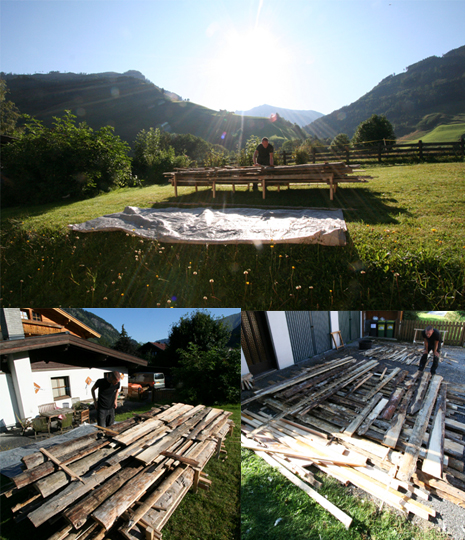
(64, 348)
(63, 318)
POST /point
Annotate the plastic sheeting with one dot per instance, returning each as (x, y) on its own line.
(226, 226)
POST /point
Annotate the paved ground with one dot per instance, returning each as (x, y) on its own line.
(450, 518)
(14, 439)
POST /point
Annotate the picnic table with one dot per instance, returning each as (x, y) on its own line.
(331, 174)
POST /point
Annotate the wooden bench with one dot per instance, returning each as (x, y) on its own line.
(331, 174)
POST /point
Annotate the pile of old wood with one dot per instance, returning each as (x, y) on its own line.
(131, 479)
(405, 353)
(391, 433)
(331, 174)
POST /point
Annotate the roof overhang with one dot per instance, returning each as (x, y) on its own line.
(65, 348)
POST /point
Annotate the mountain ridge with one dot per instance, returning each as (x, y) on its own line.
(435, 85)
(296, 116)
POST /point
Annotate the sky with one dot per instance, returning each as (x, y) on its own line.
(145, 324)
(298, 54)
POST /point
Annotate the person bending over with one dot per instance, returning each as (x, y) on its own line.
(107, 401)
(432, 339)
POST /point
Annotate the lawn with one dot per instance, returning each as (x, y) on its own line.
(210, 515)
(273, 508)
(405, 248)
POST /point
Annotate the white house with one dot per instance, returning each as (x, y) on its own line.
(46, 357)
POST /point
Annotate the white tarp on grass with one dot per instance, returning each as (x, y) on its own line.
(225, 226)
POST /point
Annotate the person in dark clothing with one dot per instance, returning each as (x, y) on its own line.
(432, 338)
(263, 154)
(107, 398)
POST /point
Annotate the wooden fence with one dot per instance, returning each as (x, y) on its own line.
(384, 152)
(455, 335)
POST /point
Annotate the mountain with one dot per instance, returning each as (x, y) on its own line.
(109, 333)
(431, 92)
(130, 103)
(301, 118)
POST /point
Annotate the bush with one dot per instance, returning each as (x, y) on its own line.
(154, 156)
(373, 131)
(208, 377)
(301, 155)
(67, 160)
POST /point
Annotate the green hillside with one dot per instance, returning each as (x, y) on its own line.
(441, 133)
(434, 87)
(132, 103)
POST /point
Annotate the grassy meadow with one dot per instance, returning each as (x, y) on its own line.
(405, 249)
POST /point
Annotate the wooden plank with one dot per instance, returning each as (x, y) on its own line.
(391, 405)
(372, 417)
(299, 378)
(138, 431)
(117, 504)
(409, 461)
(153, 498)
(433, 462)
(67, 470)
(382, 384)
(78, 514)
(392, 435)
(354, 425)
(421, 390)
(70, 494)
(327, 505)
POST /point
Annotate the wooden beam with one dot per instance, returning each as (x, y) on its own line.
(409, 461)
(353, 426)
(433, 462)
(67, 470)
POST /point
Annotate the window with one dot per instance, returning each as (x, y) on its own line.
(36, 316)
(60, 387)
(24, 314)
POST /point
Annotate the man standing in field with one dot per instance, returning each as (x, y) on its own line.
(263, 155)
(107, 398)
(432, 339)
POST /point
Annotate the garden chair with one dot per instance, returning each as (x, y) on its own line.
(40, 425)
(66, 422)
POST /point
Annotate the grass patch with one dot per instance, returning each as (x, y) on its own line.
(210, 515)
(405, 247)
(267, 496)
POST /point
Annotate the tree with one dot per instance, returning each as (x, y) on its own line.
(153, 156)
(199, 328)
(66, 160)
(125, 344)
(340, 141)
(9, 113)
(208, 377)
(373, 131)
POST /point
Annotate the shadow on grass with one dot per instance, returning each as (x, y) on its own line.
(358, 204)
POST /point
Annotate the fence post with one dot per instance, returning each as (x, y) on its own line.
(347, 155)
(284, 157)
(313, 154)
(462, 145)
(380, 146)
(420, 150)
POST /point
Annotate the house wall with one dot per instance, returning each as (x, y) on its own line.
(79, 388)
(9, 406)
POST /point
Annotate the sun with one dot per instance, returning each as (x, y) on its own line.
(241, 71)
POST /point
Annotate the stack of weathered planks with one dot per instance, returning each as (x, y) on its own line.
(132, 478)
(331, 174)
(391, 433)
(405, 353)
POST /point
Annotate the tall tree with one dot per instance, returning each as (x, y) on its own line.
(9, 113)
(125, 343)
(199, 328)
(374, 130)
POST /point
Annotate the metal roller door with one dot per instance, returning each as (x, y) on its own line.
(349, 325)
(322, 329)
(300, 332)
